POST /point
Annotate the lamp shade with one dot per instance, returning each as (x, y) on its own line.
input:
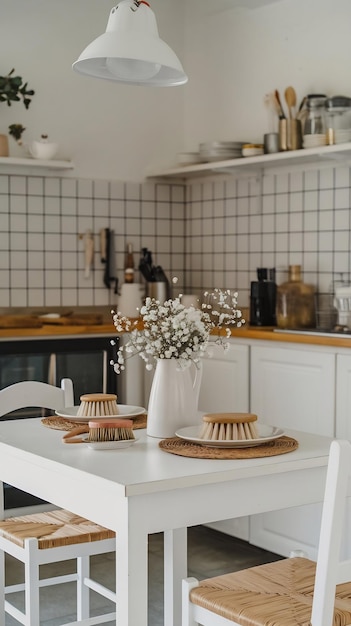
(131, 51)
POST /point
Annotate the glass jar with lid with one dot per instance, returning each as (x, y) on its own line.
(296, 302)
(338, 119)
(314, 132)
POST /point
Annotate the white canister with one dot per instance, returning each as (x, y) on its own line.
(130, 300)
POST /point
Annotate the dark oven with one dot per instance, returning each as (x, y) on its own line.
(86, 360)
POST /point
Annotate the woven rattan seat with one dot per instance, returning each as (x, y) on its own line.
(282, 590)
(53, 529)
(52, 536)
(290, 592)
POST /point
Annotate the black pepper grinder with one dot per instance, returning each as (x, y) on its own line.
(263, 298)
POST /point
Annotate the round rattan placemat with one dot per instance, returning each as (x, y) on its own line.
(61, 423)
(174, 445)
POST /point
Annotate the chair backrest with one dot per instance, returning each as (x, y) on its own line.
(330, 569)
(30, 393)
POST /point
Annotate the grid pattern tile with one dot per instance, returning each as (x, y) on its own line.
(42, 226)
(209, 233)
(284, 218)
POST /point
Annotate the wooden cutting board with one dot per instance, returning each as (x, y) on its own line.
(84, 319)
(20, 321)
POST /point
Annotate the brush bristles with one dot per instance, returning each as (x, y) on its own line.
(229, 432)
(229, 427)
(98, 405)
(110, 434)
(111, 430)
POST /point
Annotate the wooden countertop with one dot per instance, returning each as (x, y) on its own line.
(268, 334)
(247, 332)
(56, 331)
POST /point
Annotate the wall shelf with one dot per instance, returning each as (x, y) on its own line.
(35, 163)
(340, 152)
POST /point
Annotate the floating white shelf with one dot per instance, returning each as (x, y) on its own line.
(340, 152)
(35, 163)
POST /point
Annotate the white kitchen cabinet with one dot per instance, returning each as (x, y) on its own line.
(343, 418)
(343, 396)
(225, 379)
(225, 388)
(292, 388)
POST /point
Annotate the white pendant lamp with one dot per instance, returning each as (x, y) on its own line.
(131, 51)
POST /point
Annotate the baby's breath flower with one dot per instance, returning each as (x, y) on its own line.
(171, 331)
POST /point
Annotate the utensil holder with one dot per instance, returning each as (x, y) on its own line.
(290, 135)
(158, 290)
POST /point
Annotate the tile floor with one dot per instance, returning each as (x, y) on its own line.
(209, 553)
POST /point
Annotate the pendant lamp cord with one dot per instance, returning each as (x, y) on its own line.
(138, 3)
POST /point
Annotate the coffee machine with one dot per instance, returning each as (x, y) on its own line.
(342, 303)
(263, 298)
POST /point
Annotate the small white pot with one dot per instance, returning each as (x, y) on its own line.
(42, 149)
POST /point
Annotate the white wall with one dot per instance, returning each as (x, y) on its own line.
(234, 57)
(111, 131)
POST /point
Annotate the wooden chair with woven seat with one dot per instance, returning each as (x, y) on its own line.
(50, 536)
(289, 592)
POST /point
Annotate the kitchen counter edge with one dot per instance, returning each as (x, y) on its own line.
(247, 332)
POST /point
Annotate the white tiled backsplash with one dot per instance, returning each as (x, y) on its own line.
(209, 233)
(42, 221)
(285, 218)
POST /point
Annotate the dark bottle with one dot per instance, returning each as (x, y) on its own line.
(263, 298)
(129, 264)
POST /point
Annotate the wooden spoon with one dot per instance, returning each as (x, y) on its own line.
(290, 98)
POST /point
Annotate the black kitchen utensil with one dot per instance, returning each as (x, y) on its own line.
(145, 265)
(107, 259)
(110, 274)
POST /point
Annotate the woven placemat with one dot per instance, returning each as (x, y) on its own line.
(62, 423)
(181, 447)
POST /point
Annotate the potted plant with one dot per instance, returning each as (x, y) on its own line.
(13, 89)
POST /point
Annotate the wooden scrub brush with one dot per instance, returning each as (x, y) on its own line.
(229, 427)
(101, 430)
(97, 405)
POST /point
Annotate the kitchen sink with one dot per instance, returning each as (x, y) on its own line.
(343, 332)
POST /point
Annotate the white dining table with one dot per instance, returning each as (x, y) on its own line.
(140, 490)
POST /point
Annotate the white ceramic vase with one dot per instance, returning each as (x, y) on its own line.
(174, 397)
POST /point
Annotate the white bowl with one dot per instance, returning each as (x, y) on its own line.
(42, 150)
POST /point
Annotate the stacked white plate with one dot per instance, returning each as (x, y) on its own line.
(220, 150)
(342, 135)
(188, 158)
(313, 141)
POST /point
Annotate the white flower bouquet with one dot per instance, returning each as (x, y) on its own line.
(172, 331)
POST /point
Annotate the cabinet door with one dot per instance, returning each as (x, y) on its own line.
(343, 421)
(292, 389)
(343, 396)
(225, 379)
(225, 388)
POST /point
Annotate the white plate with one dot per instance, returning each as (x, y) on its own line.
(266, 433)
(125, 411)
(108, 445)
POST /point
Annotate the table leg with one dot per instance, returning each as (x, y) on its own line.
(175, 569)
(131, 576)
